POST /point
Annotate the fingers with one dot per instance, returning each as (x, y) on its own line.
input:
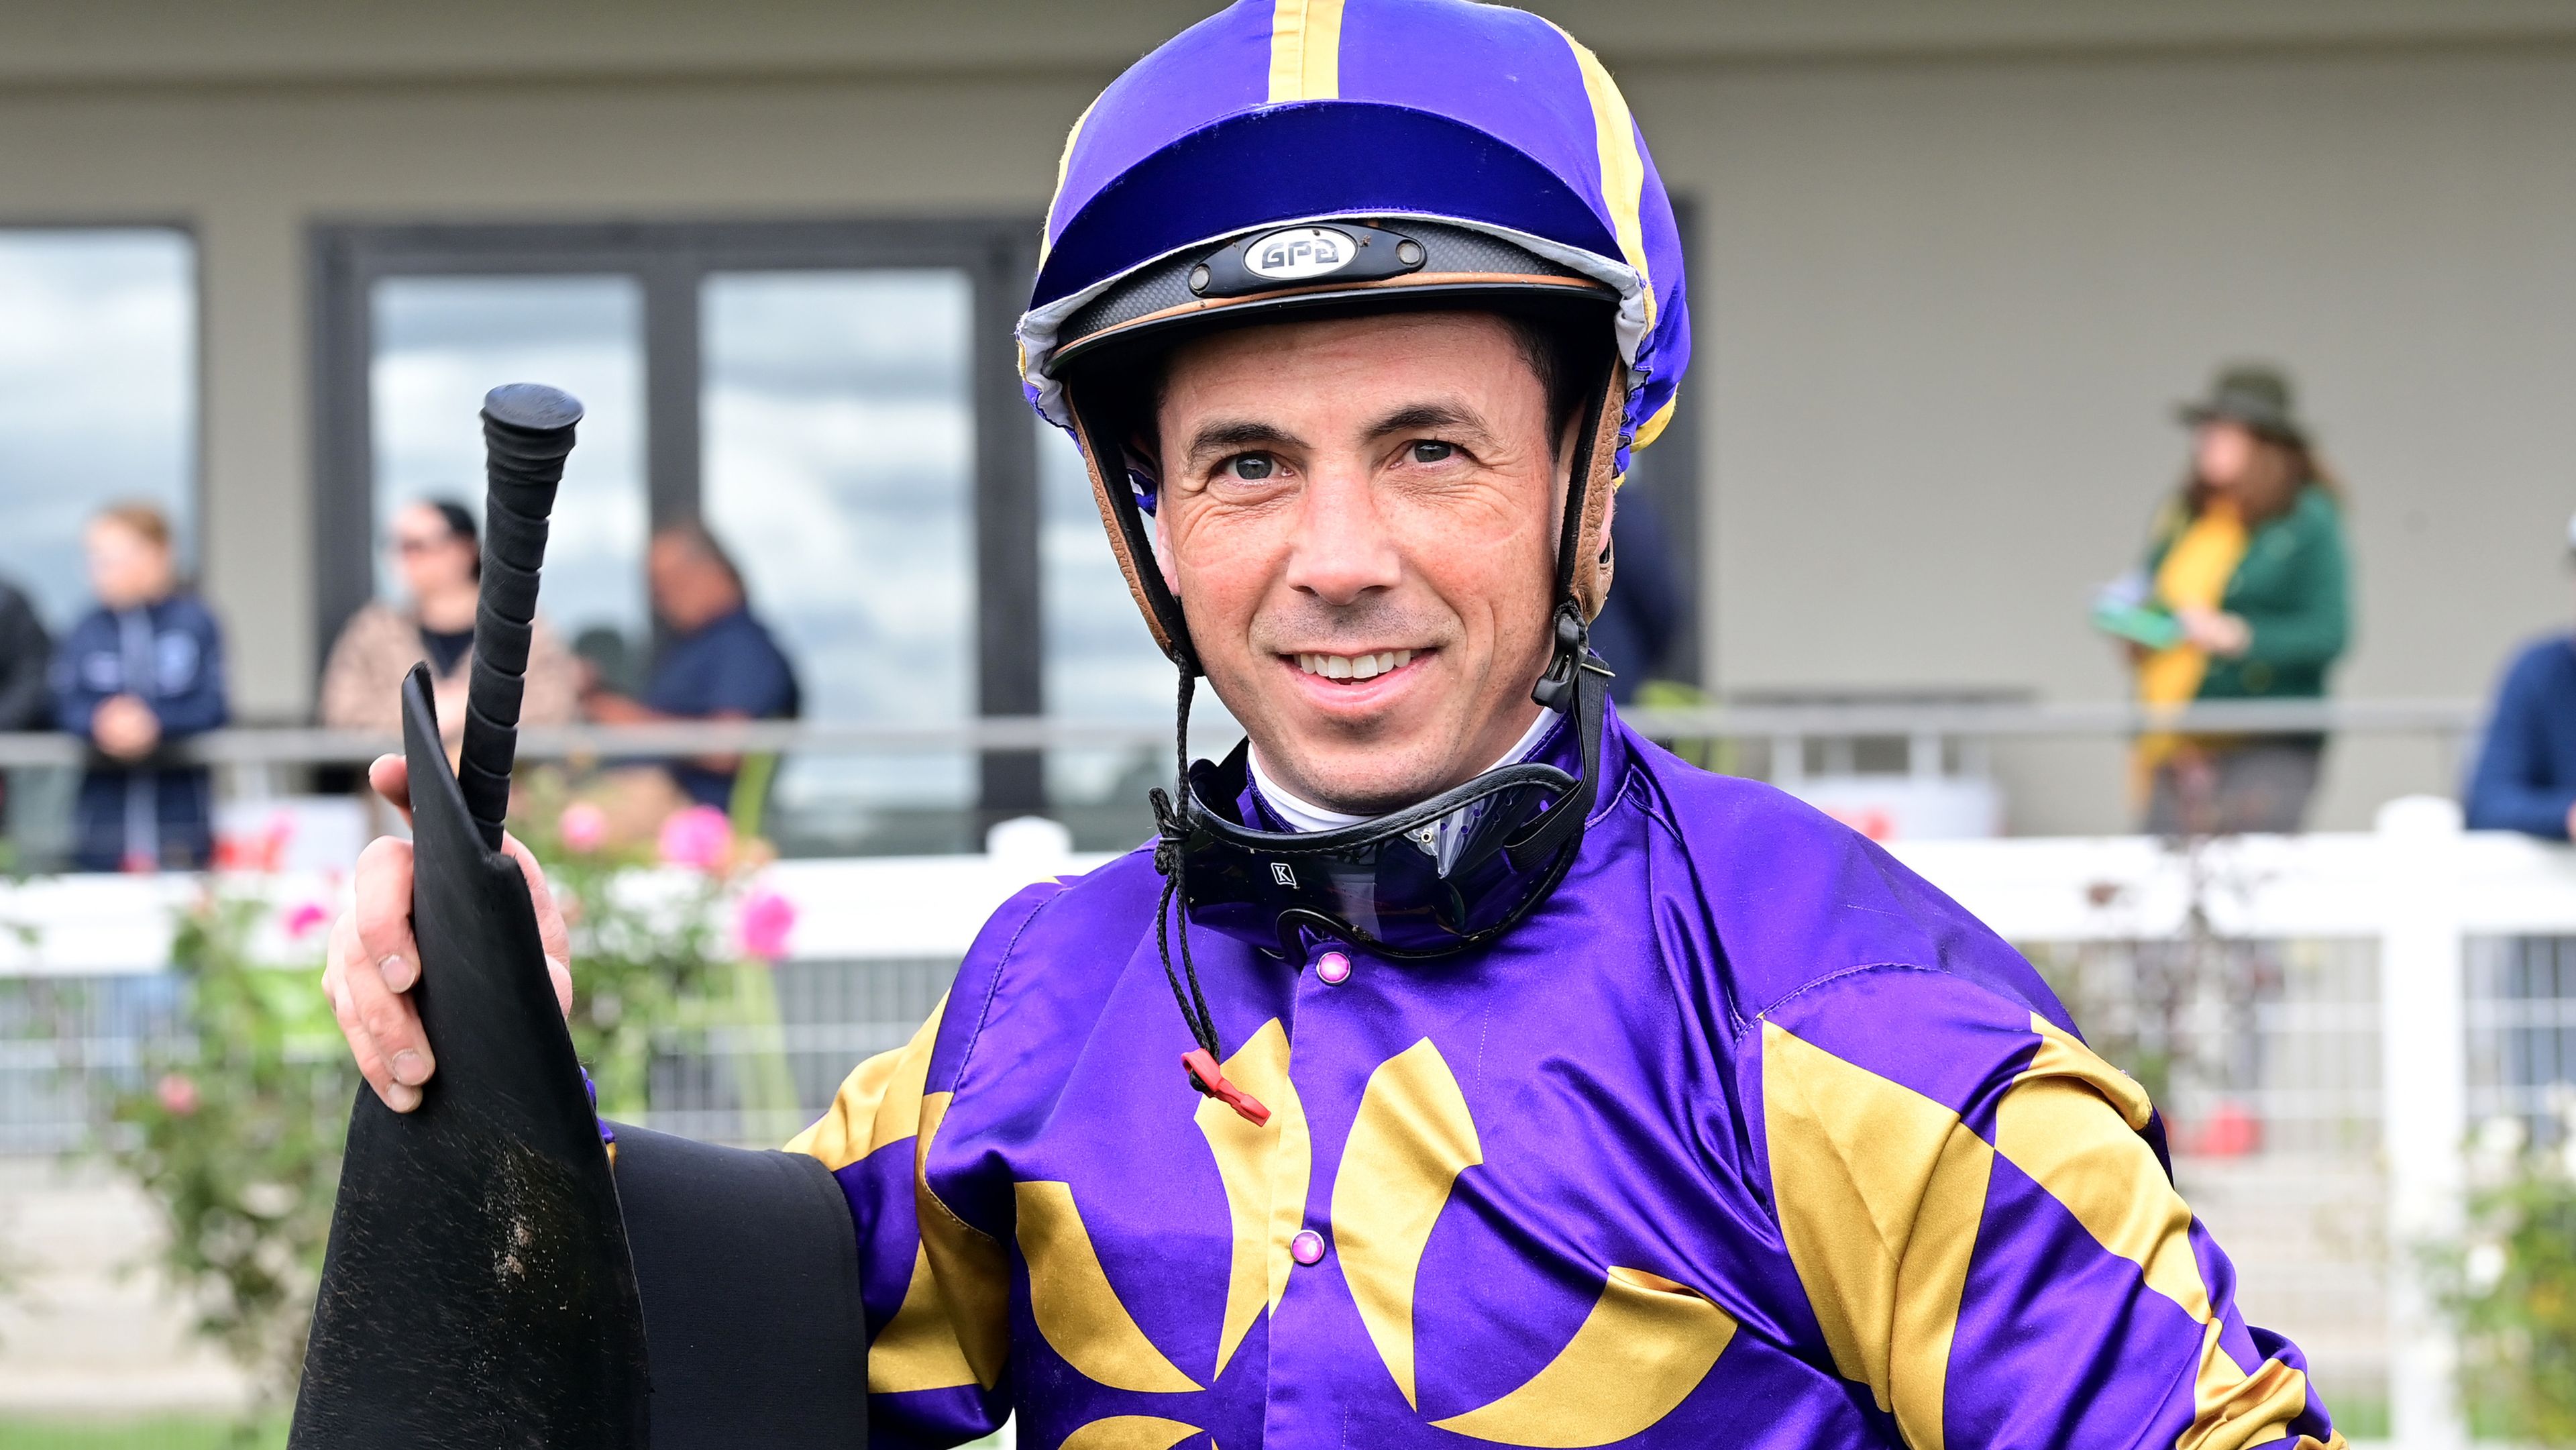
(551, 934)
(391, 777)
(371, 1015)
(384, 965)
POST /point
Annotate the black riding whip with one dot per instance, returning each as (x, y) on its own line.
(490, 1278)
(477, 1289)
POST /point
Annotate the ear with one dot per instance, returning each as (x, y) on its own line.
(1162, 541)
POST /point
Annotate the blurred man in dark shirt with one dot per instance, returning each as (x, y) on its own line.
(26, 691)
(1642, 617)
(717, 662)
(2525, 776)
(26, 658)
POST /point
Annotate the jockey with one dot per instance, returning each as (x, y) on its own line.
(1456, 1065)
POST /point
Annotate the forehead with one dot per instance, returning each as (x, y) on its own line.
(1356, 365)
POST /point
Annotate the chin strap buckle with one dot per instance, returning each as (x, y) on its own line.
(1209, 1079)
(1555, 689)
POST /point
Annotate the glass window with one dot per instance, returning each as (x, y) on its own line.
(441, 343)
(839, 469)
(98, 394)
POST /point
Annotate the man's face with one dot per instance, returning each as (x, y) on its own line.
(1359, 517)
(689, 589)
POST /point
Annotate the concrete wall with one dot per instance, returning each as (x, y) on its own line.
(1955, 265)
(1947, 305)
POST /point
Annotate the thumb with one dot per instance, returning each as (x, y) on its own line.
(391, 777)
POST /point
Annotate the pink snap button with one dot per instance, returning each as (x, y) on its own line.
(1335, 969)
(1307, 1247)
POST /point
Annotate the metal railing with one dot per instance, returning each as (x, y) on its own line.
(298, 745)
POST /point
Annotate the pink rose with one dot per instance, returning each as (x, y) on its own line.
(302, 918)
(583, 826)
(177, 1093)
(699, 837)
(762, 923)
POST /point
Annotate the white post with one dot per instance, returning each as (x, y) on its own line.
(2423, 1054)
(1788, 761)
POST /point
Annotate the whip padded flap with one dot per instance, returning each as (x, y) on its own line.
(477, 1290)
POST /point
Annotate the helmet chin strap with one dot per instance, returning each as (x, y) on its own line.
(1203, 1065)
(1572, 652)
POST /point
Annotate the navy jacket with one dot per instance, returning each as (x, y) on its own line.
(2525, 776)
(171, 656)
(730, 665)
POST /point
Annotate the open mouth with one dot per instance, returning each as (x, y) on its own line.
(1353, 668)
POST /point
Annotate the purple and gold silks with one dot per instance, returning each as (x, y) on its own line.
(1749, 1137)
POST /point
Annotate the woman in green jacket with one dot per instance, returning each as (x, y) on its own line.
(2249, 559)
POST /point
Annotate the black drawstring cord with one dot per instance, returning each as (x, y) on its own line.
(1208, 1078)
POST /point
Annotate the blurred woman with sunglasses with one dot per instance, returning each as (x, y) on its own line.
(437, 554)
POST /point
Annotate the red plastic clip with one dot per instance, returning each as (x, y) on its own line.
(1201, 1066)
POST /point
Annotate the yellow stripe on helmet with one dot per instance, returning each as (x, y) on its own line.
(1063, 164)
(1623, 166)
(1653, 428)
(1305, 50)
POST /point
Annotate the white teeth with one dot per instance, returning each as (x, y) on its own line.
(1354, 667)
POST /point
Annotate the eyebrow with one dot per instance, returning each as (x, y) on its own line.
(1236, 435)
(1418, 416)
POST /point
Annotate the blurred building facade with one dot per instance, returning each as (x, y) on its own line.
(1952, 267)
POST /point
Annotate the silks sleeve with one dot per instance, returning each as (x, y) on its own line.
(934, 1339)
(1982, 1219)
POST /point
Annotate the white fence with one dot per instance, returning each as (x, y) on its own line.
(2322, 1017)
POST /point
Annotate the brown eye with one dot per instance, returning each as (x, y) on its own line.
(1428, 451)
(1252, 467)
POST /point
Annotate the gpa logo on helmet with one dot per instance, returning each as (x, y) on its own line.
(1299, 253)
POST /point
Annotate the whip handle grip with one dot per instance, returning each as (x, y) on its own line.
(527, 433)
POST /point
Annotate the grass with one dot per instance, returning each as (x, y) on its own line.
(157, 1434)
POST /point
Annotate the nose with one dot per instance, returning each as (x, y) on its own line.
(1342, 549)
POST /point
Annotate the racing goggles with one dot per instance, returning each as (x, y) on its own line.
(1452, 872)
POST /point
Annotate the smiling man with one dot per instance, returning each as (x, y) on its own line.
(1360, 517)
(1456, 1065)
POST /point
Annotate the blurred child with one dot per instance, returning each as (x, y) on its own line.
(144, 668)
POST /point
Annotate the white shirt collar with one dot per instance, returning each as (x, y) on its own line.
(1303, 815)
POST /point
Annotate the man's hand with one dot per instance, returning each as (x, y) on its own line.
(374, 962)
(125, 727)
(2571, 823)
